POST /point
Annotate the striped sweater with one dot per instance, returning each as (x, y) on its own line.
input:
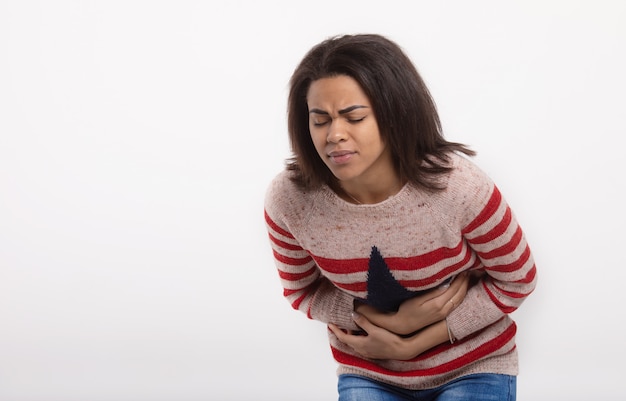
(330, 252)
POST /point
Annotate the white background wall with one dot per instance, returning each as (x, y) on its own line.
(137, 139)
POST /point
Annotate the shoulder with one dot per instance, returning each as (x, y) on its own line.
(285, 199)
(282, 186)
(467, 192)
(467, 175)
(279, 184)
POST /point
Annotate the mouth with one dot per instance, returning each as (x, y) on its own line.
(341, 156)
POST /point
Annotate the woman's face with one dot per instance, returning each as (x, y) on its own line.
(345, 132)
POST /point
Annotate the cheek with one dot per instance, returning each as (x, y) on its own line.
(374, 138)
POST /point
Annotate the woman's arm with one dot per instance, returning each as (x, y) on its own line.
(380, 343)
(421, 311)
(503, 254)
(419, 325)
(303, 285)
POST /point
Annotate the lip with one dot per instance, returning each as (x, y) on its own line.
(341, 156)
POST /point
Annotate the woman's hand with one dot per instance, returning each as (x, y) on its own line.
(416, 313)
(378, 343)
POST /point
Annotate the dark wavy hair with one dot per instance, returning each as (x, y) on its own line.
(405, 111)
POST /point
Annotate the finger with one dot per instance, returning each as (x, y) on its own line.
(363, 322)
(463, 285)
(458, 295)
(353, 341)
(449, 299)
(340, 334)
(460, 280)
(458, 285)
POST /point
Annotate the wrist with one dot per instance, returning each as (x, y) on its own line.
(428, 338)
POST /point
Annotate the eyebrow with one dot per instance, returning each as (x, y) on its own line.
(342, 111)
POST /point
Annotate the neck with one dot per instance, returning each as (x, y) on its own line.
(369, 195)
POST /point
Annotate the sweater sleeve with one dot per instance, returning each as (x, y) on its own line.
(304, 287)
(497, 240)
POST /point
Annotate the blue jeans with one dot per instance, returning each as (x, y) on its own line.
(476, 387)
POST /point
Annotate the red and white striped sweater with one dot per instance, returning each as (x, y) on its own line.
(330, 252)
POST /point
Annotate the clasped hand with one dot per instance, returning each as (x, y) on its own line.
(418, 325)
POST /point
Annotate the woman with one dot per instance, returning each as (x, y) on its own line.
(376, 214)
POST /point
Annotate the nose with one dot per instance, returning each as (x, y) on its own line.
(336, 132)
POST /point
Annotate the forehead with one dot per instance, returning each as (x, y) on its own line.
(340, 90)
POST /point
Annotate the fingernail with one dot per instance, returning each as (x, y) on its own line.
(355, 315)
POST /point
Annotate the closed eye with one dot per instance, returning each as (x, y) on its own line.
(355, 120)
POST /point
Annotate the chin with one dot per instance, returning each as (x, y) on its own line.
(342, 173)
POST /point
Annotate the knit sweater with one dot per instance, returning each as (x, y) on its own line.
(330, 253)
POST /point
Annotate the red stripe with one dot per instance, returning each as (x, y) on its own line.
(305, 292)
(359, 265)
(495, 232)
(467, 358)
(359, 286)
(504, 308)
(426, 259)
(486, 213)
(530, 276)
(296, 304)
(504, 249)
(291, 261)
(513, 266)
(342, 266)
(285, 245)
(427, 282)
(296, 276)
(443, 273)
(275, 227)
(510, 294)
